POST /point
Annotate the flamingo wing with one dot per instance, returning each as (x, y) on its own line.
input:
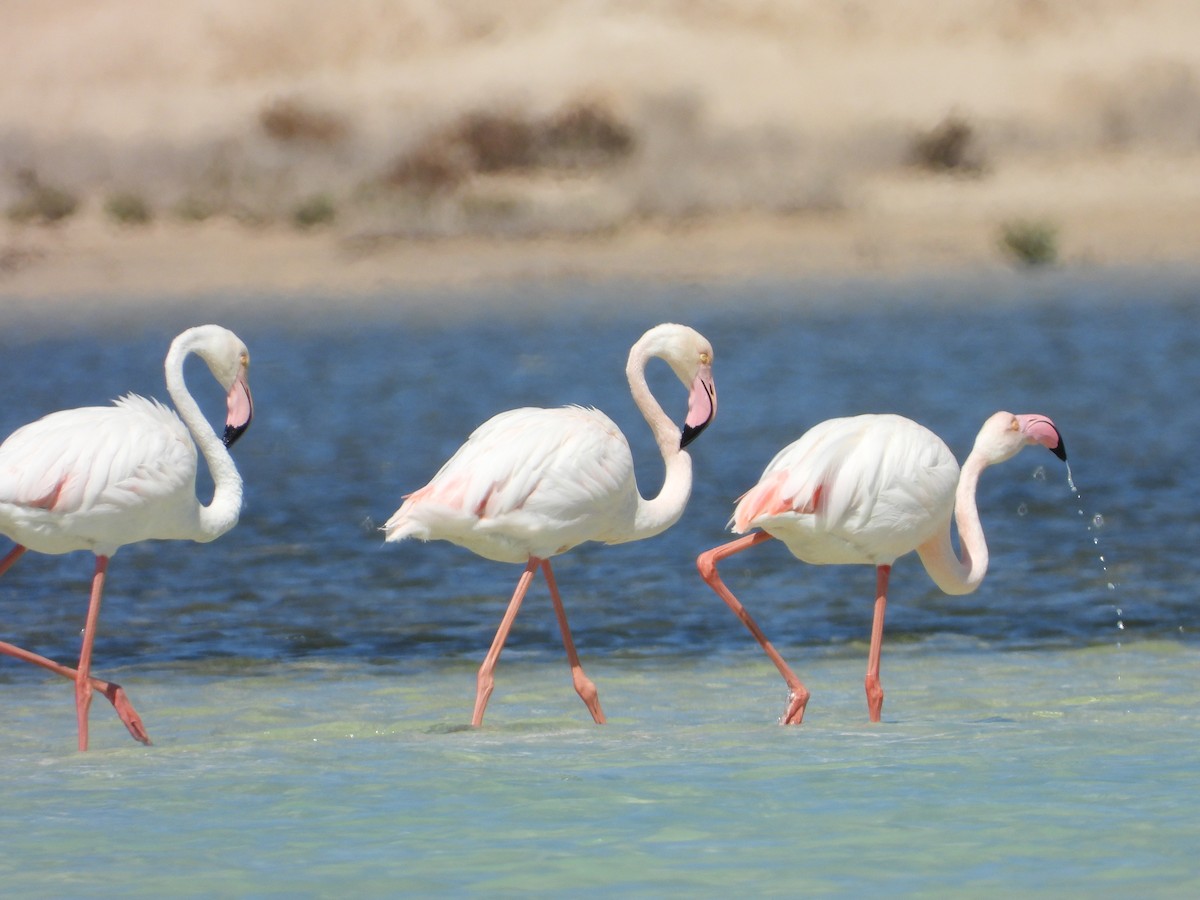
(94, 459)
(856, 489)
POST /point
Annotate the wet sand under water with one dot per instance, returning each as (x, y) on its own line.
(1047, 772)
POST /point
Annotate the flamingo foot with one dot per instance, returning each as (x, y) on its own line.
(484, 686)
(874, 700)
(794, 714)
(587, 692)
(120, 701)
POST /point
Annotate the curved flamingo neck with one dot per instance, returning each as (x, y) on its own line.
(222, 512)
(660, 513)
(955, 573)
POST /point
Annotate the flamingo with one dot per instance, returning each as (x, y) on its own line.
(100, 477)
(868, 489)
(532, 483)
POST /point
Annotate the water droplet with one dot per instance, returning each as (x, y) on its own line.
(1039, 474)
(1095, 523)
(1022, 509)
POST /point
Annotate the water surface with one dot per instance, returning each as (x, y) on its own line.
(308, 687)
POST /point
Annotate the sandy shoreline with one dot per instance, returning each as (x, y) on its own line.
(769, 142)
(903, 227)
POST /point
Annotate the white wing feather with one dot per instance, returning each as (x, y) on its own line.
(528, 482)
(89, 463)
(850, 484)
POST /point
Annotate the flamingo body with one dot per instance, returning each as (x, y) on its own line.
(864, 489)
(98, 478)
(531, 483)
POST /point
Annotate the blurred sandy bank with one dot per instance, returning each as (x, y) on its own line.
(367, 147)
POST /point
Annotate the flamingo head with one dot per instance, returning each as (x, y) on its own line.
(690, 356)
(1004, 435)
(1040, 430)
(227, 358)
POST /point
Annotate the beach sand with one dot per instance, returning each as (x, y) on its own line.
(770, 140)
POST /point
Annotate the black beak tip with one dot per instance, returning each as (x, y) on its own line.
(1061, 450)
(690, 433)
(232, 433)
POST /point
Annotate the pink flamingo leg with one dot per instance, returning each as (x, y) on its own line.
(110, 689)
(485, 681)
(113, 691)
(11, 557)
(584, 686)
(707, 564)
(874, 688)
(83, 680)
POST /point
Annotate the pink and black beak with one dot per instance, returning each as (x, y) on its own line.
(1040, 430)
(702, 406)
(239, 410)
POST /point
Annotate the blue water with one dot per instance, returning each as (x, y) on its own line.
(308, 688)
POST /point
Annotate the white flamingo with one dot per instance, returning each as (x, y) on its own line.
(532, 483)
(868, 489)
(99, 477)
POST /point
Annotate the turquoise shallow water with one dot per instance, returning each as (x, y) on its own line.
(1052, 773)
(308, 688)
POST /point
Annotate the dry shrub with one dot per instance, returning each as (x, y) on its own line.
(194, 207)
(41, 203)
(289, 120)
(1032, 243)
(431, 167)
(128, 208)
(314, 211)
(584, 135)
(496, 142)
(581, 135)
(948, 147)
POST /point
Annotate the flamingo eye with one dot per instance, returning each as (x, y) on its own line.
(705, 357)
